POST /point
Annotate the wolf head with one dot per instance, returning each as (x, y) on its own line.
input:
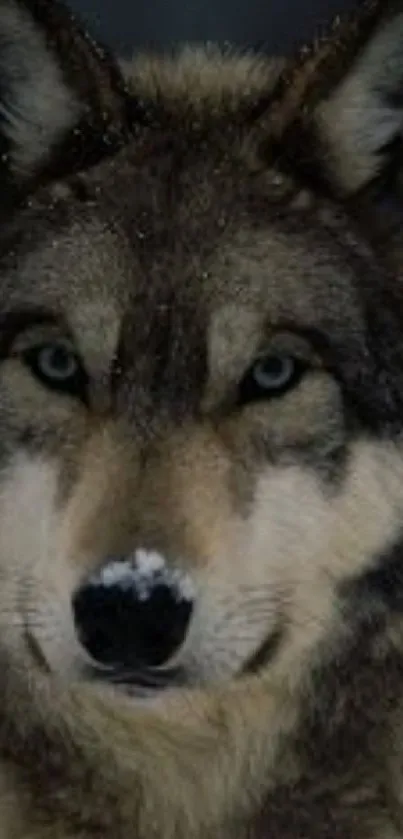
(201, 370)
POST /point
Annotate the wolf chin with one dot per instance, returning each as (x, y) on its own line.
(201, 451)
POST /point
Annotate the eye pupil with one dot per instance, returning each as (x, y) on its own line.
(270, 376)
(273, 371)
(58, 367)
(57, 362)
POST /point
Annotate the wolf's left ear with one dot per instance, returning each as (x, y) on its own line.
(61, 96)
(358, 126)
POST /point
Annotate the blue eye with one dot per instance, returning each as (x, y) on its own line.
(57, 365)
(269, 376)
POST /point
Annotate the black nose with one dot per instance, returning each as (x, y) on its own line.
(133, 614)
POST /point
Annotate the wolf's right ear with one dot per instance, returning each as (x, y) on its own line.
(62, 98)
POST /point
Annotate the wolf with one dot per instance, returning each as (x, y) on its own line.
(201, 447)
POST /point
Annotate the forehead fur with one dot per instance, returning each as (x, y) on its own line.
(179, 218)
(205, 80)
(214, 83)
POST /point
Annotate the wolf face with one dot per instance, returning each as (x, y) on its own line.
(200, 378)
(201, 464)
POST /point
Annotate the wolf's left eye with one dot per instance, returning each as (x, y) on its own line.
(57, 366)
(270, 376)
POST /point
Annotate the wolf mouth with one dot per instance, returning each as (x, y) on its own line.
(144, 681)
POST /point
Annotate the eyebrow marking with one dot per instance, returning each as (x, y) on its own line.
(96, 325)
(15, 321)
(232, 337)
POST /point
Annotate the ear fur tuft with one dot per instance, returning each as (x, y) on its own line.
(56, 86)
(360, 125)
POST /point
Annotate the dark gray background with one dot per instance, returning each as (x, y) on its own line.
(278, 25)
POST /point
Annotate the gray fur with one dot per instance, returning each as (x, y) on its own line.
(182, 217)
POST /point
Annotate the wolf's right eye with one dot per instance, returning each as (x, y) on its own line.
(57, 365)
(269, 376)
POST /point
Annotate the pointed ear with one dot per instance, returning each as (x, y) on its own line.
(62, 98)
(359, 125)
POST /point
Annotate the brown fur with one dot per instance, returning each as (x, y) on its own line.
(169, 222)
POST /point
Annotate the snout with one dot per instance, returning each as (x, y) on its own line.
(133, 614)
